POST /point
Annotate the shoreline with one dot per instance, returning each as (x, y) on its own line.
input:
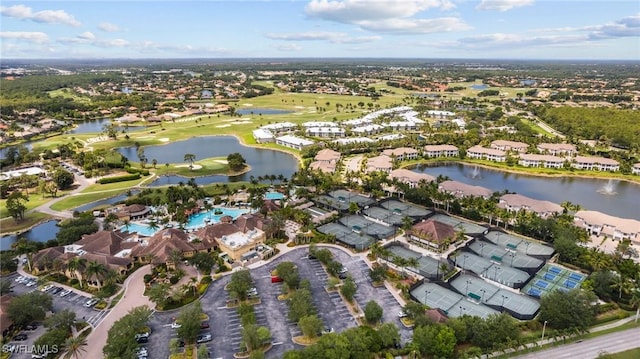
(232, 174)
(516, 171)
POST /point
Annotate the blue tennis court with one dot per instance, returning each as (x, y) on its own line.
(550, 277)
(542, 284)
(555, 270)
(575, 276)
(570, 284)
(535, 292)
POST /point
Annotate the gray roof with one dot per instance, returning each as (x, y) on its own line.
(459, 224)
(520, 244)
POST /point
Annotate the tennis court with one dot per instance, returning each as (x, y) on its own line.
(360, 224)
(505, 256)
(427, 266)
(405, 209)
(553, 277)
(384, 215)
(519, 244)
(492, 269)
(459, 224)
(358, 241)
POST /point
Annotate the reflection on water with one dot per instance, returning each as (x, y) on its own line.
(41, 233)
(618, 199)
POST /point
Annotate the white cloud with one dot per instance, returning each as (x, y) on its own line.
(502, 5)
(45, 16)
(108, 27)
(416, 26)
(288, 47)
(333, 37)
(35, 37)
(111, 43)
(393, 16)
(87, 35)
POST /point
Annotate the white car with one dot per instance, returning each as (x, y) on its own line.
(142, 351)
(31, 283)
(46, 287)
(252, 292)
(402, 314)
(65, 292)
(175, 325)
(91, 302)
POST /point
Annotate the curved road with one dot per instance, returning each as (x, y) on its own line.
(592, 348)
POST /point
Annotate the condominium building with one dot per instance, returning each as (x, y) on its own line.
(546, 161)
(596, 163)
(489, 154)
(409, 177)
(401, 153)
(459, 189)
(557, 149)
(598, 223)
(636, 169)
(504, 145)
(440, 151)
(517, 202)
(293, 142)
(379, 163)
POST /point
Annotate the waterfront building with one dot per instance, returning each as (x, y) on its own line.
(517, 202)
(401, 153)
(409, 177)
(459, 189)
(598, 223)
(504, 145)
(440, 151)
(546, 161)
(293, 142)
(557, 149)
(596, 163)
(488, 154)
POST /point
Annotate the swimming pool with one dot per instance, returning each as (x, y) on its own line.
(274, 195)
(196, 221)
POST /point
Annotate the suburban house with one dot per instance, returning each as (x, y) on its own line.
(293, 142)
(504, 145)
(557, 149)
(432, 233)
(326, 160)
(367, 129)
(279, 127)
(546, 161)
(379, 163)
(401, 153)
(598, 223)
(440, 114)
(459, 189)
(440, 151)
(488, 154)
(325, 132)
(636, 169)
(595, 163)
(517, 202)
(319, 124)
(401, 125)
(409, 177)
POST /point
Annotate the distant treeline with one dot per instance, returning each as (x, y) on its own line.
(618, 127)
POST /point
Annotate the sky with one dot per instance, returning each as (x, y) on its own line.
(480, 29)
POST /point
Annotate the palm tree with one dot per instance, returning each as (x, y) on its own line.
(190, 157)
(622, 285)
(74, 347)
(75, 267)
(153, 225)
(635, 302)
(96, 270)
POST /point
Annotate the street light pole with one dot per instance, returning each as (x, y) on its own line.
(543, 328)
(426, 293)
(503, 298)
(466, 292)
(483, 291)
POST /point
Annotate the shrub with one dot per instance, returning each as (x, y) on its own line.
(74, 282)
(174, 279)
(206, 279)
(119, 178)
(147, 278)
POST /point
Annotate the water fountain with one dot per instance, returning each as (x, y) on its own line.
(608, 189)
(475, 173)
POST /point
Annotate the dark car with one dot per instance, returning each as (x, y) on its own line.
(204, 325)
(31, 326)
(142, 339)
(55, 290)
(20, 337)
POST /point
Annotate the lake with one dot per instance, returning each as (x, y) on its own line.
(479, 87)
(96, 126)
(260, 110)
(262, 161)
(590, 193)
(41, 233)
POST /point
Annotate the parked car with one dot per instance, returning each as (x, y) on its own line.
(32, 326)
(342, 275)
(141, 340)
(275, 279)
(46, 287)
(55, 290)
(142, 335)
(204, 325)
(21, 337)
(91, 302)
(402, 314)
(65, 292)
(175, 325)
(31, 283)
(203, 338)
(252, 292)
(142, 351)
(327, 330)
(312, 256)
(19, 279)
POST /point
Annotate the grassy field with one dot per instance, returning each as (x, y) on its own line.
(508, 92)
(35, 200)
(8, 225)
(68, 93)
(629, 354)
(537, 128)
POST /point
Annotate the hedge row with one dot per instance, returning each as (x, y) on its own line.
(119, 178)
(144, 172)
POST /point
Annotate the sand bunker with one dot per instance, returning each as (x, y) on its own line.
(195, 167)
(227, 125)
(164, 139)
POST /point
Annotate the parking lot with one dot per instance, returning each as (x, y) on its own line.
(73, 302)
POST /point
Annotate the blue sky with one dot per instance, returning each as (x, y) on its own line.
(509, 29)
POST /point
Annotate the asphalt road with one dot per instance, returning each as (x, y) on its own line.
(592, 348)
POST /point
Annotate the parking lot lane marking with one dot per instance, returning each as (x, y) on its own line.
(274, 343)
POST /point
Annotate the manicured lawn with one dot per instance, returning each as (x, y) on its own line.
(537, 128)
(68, 93)
(629, 354)
(8, 225)
(35, 200)
(81, 199)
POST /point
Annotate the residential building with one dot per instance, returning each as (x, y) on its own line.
(379, 163)
(401, 125)
(595, 163)
(319, 124)
(488, 154)
(432, 233)
(328, 155)
(128, 213)
(280, 127)
(557, 149)
(409, 177)
(504, 145)
(262, 135)
(293, 142)
(160, 248)
(238, 238)
(325, 132)
(546, 161)
(351, 140)
(325, 167)
(597, 223)
(368, 129)
(459, 189)
(636, 169)
(440, 114)
(517, 202)
(440, 151)
(401, 153)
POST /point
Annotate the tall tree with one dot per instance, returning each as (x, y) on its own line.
(75, 347)
(16, 205)
(190, 157)
(565, 310)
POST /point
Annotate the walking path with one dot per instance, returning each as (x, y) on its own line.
(133, 297)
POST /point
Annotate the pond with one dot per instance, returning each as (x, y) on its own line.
(262, 161)
(102, 202)
(479, 87)
(260, 110)
(5, 150)
(96, 126)
(43, 232)
(617, 198)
